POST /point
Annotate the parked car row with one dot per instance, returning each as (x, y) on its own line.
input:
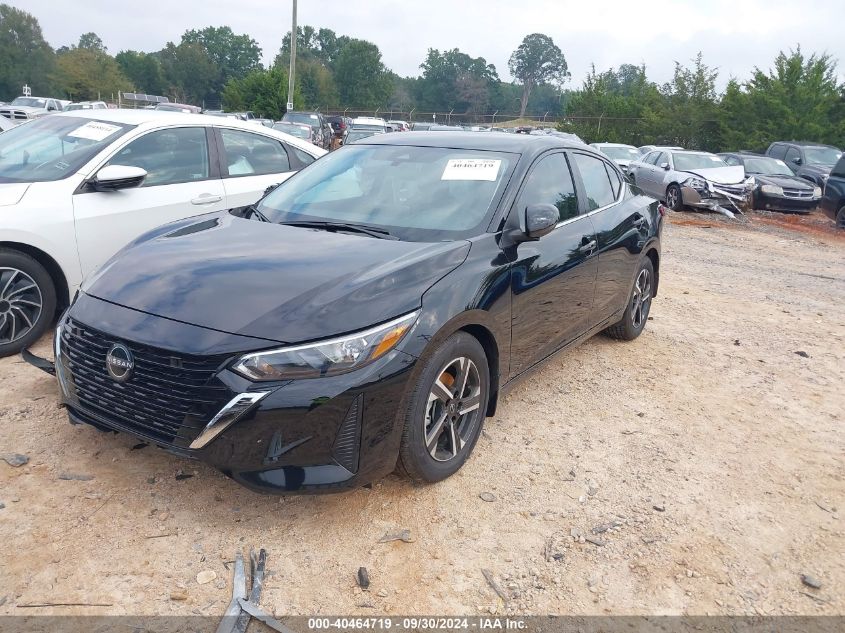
(730, 180)
(365, 313)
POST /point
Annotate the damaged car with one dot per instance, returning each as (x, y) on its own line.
(696, 179)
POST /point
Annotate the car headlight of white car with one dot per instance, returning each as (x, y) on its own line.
(326, 358)
(696, 183)
(772, 190)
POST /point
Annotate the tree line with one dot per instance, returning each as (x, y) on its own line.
(798, 97)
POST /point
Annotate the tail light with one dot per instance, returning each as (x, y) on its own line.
(661, 210)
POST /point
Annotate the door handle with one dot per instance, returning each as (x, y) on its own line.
(586, 248)
(206, 198)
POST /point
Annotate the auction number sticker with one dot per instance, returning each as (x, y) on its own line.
(471, 169)
(94, 131)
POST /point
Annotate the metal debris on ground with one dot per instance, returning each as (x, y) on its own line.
(14, 459)
(401, 535)
(240, 608)
(363, 578)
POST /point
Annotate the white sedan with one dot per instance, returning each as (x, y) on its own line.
(76, 187)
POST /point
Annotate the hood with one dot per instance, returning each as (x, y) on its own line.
(282, 283)
(720, 175)
(12, 192)
(822, 170)
(792, 182)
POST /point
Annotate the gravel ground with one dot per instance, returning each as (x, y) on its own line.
(697, 470)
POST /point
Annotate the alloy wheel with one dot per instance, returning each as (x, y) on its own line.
(20, 304)
(453, 409)
(641, 300)
(672, 198)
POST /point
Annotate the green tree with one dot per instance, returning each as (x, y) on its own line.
(262, 91)
(143, 70)
(91, 42)
(453, 80)
(191, 75)
(800, 98)
(361, 77)
(84, 74)
(25, 57)
(316, 84)
(233, 55)
(537, 60)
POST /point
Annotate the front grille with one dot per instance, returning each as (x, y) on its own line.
(737, 191)
(168, 398)
(798, 194)
(15, 115)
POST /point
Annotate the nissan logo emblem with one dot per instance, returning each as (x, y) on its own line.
(120, 362)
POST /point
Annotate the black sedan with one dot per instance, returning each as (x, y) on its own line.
(776, 188)
(367, 313)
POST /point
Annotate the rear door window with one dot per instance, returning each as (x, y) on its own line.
(249, 154)
(596, 181)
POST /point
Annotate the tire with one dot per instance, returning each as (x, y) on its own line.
(438, 458)
(636, 313)
(27, 301)
(840, 218)
(674, 200)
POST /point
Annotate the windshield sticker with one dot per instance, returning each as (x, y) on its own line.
(716, 159)
(94, 131)
(471, 169)
(780, 162)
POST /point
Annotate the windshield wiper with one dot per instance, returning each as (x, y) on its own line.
(253, 210)
(342, 226)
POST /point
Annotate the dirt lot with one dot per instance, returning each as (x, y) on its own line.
(704, 463)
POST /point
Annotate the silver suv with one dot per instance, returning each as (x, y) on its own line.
(26, 108)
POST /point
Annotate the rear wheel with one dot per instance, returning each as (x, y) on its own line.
(639, 304)
(840, 218)
(446, 410)
(673, 198)
(27, 301)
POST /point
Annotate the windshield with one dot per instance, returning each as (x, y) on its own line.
(357, 135)
(368, 126)
(54, 147)
(766, 167)
(415, 193)
(32, 102)
(822, 155)
(620, 153)
(301, 117)
(685, 162)
(294, 130)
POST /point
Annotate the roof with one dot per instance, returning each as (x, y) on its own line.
(160, 117)
(613, 145)
(803, 144)
(496, 142)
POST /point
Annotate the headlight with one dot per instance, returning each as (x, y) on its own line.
(696, 183)
(817, 192)
(326, 358)
(772, 190)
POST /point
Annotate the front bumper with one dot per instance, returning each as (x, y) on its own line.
(716, 198)
(312, 435)
(783, 203)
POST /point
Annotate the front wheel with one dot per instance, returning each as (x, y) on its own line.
(445, 410)
(673, 198)
(27, 301)
(639, 304)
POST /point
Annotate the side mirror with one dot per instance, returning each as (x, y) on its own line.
(114, 177)
(539, 220)
(664, 166)
(797, 160)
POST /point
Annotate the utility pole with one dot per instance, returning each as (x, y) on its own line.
(293, 34)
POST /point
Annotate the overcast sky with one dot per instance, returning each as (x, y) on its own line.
(733, 35)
